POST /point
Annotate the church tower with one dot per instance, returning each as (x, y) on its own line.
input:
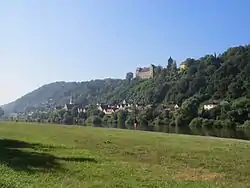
(71, 100)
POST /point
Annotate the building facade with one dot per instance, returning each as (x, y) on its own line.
(145, 73)
(183, 66)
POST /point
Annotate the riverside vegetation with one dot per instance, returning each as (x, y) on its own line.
(42, 155)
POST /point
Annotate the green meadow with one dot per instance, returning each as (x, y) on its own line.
(37, 155)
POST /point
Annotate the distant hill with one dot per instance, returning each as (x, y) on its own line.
(59, 93)
(212, 77)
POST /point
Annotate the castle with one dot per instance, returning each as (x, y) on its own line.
(146, 72)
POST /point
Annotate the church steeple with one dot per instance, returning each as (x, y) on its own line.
(71, 99)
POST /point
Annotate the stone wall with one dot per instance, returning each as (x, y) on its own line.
(145, 73)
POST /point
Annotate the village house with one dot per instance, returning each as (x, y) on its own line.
(68, 107)
(123, 106)
(214, 104)
(183, 66)
(109, 109)
(209, 106)
(81, 110)
(171, 107)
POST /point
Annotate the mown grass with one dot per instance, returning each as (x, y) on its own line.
(36, 155)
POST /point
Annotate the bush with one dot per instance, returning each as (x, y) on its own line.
(196, 123)
(246, 124)
(95, 121)
(208, 123)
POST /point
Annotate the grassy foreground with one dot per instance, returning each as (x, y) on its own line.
(33, 155)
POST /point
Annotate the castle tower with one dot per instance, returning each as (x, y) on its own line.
(151, 70)
(170, 62)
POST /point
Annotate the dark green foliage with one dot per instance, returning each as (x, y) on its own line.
(1, 112)
(246, 124)
(121, 118)
(196, 123)
(68, 118)
(129, 122)
(96, 121)
(129, 77)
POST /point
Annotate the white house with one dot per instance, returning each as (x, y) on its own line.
(209, 106)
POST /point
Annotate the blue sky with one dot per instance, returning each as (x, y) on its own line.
(43, 41)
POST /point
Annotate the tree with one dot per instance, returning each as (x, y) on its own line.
(96, 121)
(67, 118)
(129, 122)
(74, 111)
(170, 63)
(235, 89)
(82, 115)
(196, 123)
(240, 110)
(129, 76)
(1, 112)
(105, 121)
(188, 111)
(92, 111)
(61, 113)
(143, 122)
(121, 118)
(173, 68)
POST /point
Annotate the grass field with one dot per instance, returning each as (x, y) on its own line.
(33, 155)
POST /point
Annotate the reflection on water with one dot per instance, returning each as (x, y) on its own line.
(224, 133)
(237, 133)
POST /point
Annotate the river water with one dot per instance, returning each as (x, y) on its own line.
(236, 133)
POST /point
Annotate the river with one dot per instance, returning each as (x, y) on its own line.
(237, 133)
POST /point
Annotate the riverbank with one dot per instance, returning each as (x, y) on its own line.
(70, 156)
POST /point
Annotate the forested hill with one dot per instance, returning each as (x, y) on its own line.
(59, 93)
(213, 77)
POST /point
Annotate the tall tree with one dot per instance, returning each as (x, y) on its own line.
(1, 112)
(74, 111)
(121, 118)
(129, 76)
(170, 63)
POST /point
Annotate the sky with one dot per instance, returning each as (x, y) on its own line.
(43, 41)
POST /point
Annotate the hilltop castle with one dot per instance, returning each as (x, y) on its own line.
(146, 72)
